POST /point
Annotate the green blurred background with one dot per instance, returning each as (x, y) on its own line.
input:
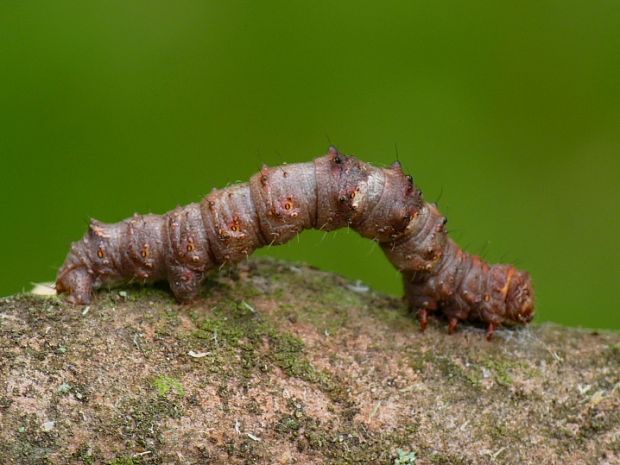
(508, 111)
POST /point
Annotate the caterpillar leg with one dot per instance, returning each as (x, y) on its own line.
(185, 283)
(423, 319)
(452, 325)
(490, 330)
(78, 283)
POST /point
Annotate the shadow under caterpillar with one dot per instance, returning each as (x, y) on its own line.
(331, 192)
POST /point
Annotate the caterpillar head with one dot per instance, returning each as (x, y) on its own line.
(520, 298)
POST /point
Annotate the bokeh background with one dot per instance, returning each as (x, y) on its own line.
(507, 113)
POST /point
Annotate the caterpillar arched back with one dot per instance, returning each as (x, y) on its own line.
(331, 192)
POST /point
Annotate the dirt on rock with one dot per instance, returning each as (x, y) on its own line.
(279, 363)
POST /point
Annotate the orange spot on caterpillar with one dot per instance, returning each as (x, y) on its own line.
(145, 251)
(100, 252)
(235, 224)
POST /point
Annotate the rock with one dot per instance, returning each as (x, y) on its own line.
(282, 364)
(48, 426)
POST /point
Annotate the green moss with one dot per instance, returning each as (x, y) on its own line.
(254, 408)
(327, 313)
(237, 334)
(126, 461)
(166, 384)
(220, 332)
(363, 448)
(347, 442)
(404, 457)
(498, 431)
(139, 420)
(288, 424)
(501, 370)
(322, 300)
(448, 459)
(325, 301)
(595, 423)
(246, 449)
(452, 371)
(463, 369)
(85, 455)
(172, 314)
(287, 351)
(31, 446)
(614, 446)
(138, 293)
(612, 353)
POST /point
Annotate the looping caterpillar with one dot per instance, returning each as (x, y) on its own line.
(331, 192)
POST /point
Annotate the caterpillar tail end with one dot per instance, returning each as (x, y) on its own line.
(78, 283)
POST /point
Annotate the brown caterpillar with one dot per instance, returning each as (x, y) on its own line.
(333, 191)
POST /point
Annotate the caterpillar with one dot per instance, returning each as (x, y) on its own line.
(331, 192)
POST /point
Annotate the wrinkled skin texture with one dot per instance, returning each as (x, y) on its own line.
(332, 192)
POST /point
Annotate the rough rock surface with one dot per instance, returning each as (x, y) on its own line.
(280, 363)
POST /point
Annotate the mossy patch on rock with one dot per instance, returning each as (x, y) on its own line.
(166, 384)
(281, 363)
